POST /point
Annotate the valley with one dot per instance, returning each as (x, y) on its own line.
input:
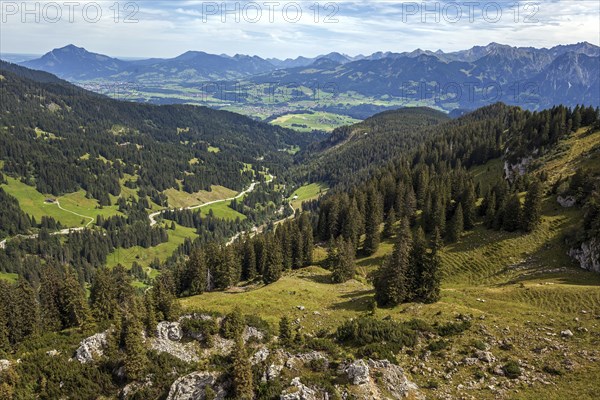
(352, 232)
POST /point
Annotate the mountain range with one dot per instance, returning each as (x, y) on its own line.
(526, 76)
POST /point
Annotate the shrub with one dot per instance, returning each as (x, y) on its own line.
(438, 345)
(511, 369)
(453, 328)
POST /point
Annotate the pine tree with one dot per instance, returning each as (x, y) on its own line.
(285, 330)
(341, 261)
(25, 319)
(249, 271)
(430, 277)
(308, 239)
(196, 273)
(136, 360)
(73, 307)
(233, 325)
(490, 214)
(49, 294)
(511, 220)
(391, 286)
(388, 227)
(532, 210)
(242, 372)
(418, 261)
(274, 262)
(373, 211)
(456, 226)
(469, 207)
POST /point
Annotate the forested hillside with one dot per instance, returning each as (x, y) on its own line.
(62, 138)
(441, 246)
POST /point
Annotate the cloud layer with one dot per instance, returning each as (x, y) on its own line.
(287, 29)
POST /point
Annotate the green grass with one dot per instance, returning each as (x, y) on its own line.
(213, 149)
(308, 192)
(222, 210)
(5, 276)
(517, 287)
(487, 175)
(144, 257)
(179, 198)
(322, 121)
(34, 203)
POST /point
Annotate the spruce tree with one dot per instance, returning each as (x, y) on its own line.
(469, 207)
(249, 271)
(285, 330)
(196, 273)
(136, 360)
(274, 262)
(418, 261)
(391, 286)
(532, 210)
(49, 294)
(430, 278)
(341, 261)
(490, 214)
(242, 372)
(456, 226)
(511, 220)
(373, 215)
(388, 227)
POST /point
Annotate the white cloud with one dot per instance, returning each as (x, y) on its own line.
(168, 28)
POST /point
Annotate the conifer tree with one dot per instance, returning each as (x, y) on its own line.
(136, 360)
(249, 271)
(388, 227)
(511, 219)
(417, 264)
(532, 210)
(430, 278)
(285, 330)
(469, 207)
(456, 226)
(274, 262)
(341, 261)
(24, 321)
(196, 273)
(49, 294)
(73, 305)
(242, 372)
(373, 211)
(308, 239)
(490, 214)
(391, 286)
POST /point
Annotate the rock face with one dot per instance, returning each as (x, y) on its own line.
(91, 347)
(194, 385)
(167, 340)
(511, 171)
(380, 380)
(299, 391)
(252, 333)
(358, 372)
(169, 331)
(567, 201)
(588, 255)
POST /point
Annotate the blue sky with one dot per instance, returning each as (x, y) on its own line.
(168, 28)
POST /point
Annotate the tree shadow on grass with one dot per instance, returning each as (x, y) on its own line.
(360, 301)
(318, 278)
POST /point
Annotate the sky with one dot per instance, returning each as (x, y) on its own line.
(288, 29)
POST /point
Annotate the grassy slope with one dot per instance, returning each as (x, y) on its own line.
(144, 257)
(33, 203)
(308, 192)
(179, 198)
(522, 288)
(318, 121)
